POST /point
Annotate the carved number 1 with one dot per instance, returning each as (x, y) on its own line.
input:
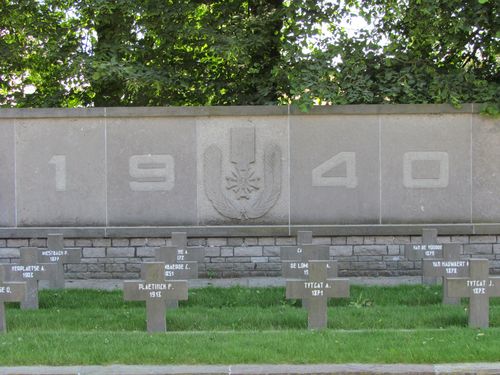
(59, 162)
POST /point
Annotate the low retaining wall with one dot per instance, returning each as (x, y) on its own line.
(120, 258)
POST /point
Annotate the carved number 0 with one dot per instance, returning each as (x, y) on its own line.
(154, 172)
(440, 181)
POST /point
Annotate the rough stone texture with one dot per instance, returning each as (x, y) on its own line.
(360, 257)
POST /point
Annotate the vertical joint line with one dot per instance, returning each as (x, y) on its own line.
(379, 170)
(105, 171)
(15, 173)
(289, 174)
(471, 163)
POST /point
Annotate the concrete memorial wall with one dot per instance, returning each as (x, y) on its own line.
(225, 172)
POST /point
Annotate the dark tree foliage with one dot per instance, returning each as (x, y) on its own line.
(62, 53)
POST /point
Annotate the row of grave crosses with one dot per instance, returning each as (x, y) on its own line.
(461, 277)
(164, 282)
(311, 276)
(19, 281)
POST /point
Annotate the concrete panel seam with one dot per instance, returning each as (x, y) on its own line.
(289, 173)
(380, 169)
(106, 170)
(471, 164)
(15, 173)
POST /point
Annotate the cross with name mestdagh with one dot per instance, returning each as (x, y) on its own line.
(317, 289)
(449, 265)
(479, 287)
(175, 269)
(57, 254)
(428, 249)
(9, 292)
(156, 291)
(29, 270)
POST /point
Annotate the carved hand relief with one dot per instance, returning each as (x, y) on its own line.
(243, 192)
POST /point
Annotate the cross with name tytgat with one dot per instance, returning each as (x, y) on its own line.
(479, 287)
(316, 290)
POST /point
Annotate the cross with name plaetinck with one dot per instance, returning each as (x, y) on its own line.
(428, 249)
(317, 289)
(9, 292)
(29, 270)
(449, 265)
(57, 254)
(479, 287)
(156, 291)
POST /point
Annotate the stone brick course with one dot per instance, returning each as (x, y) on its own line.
(252, 256)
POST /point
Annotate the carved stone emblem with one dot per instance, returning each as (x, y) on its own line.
(243, 193)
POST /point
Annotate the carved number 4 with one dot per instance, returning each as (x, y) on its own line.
(349, 181)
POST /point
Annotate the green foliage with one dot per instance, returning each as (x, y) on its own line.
(61, 53)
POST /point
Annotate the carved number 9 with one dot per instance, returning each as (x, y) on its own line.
(154, 172)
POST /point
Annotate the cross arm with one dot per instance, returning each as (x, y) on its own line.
(12, 291)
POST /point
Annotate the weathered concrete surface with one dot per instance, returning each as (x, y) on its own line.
(60, 172)
(151, 171)
(426, 169)
(246, 169)
(7, 173)
(485, 170)
(460, 368)
(335, 169)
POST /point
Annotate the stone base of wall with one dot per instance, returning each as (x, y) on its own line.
(120, 258)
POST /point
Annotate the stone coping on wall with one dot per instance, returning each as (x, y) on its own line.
(277, 110)
(251, 231)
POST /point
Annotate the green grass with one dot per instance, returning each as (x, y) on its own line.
(404, 324)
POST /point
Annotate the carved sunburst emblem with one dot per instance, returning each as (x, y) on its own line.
(242, 183)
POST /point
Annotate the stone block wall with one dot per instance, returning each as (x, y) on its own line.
(120, 258)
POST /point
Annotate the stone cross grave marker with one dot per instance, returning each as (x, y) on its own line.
(156, 291)
(429, 248)
(316, 290)
(9, 292)
(479, 287)
(174, 269)
(30, 270)
(449, 265)
(57, 254)
(295, 259)
(186, 253)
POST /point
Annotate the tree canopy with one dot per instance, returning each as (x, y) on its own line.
(69, 53)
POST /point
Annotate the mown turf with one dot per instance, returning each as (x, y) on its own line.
(404, 324)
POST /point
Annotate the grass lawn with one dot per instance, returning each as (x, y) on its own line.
(404, 324)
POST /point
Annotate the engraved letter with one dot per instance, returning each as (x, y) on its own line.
(154, 172)
(440, 181)
(349, 181)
